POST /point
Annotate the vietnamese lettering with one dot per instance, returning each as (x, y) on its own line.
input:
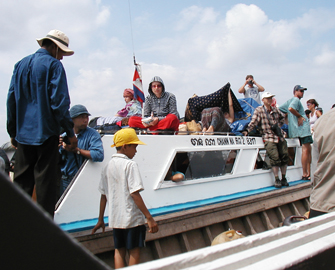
(195, 141)
(223, 141)
(210, 142)
(239, 140)
(251, 141)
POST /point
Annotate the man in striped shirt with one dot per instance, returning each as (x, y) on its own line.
(265, 117)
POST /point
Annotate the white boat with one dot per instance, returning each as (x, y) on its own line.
(217, 168)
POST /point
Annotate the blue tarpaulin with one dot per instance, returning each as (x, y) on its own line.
(243, 118)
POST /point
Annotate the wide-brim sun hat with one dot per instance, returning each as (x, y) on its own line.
(267, 95)
(126, 136)
(60, 39)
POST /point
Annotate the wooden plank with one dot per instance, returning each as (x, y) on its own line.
(267, 221)
(250, 227)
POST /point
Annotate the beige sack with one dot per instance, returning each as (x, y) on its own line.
(226, 237)
(193, 126)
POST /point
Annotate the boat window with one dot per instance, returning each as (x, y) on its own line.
(291, 156)
(202, 164)
(263, 161)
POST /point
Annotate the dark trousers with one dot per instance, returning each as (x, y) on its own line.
(37, 165)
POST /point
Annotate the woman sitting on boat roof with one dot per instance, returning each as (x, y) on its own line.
(215, 111)
(213, 119)
(160, 109)
(133, 107)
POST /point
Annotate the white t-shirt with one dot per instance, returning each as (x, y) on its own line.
(252, 92)
(312, 119)
(119, 179)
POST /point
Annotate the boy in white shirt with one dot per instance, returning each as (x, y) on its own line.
(120, 185)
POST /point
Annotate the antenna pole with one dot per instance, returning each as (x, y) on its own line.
(131, 31)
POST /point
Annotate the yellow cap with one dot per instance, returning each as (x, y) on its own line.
(125, 136)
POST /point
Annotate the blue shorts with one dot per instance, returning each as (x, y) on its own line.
(129, 238)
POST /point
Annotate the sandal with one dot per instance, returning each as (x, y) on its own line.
(305, 178)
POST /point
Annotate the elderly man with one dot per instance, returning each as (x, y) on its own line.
(299, 127)
(89, 146)
(269, 119)
(37, 107)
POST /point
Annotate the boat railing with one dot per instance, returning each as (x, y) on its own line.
(70, 185)
(170, 132)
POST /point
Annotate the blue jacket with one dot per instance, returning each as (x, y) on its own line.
(38, 100)
(88, 139)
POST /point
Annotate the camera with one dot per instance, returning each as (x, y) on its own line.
(250, 82)
(66, 139)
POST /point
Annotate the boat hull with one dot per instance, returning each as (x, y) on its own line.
(80, 203)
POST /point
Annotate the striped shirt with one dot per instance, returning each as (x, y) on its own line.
(260, 119)
(160, 107)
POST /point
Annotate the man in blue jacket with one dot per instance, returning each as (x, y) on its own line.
(37, 108)
(89, 146)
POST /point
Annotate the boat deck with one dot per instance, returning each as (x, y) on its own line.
(193, 229)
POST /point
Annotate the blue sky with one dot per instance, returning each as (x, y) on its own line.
(194, 46)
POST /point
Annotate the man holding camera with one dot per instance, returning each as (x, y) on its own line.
(269, 119)
(89, 146)
(251, 89)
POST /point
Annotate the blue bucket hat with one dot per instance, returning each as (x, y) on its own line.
(77, 110)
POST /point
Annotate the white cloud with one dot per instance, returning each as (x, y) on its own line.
(103, 16)
(243, 19)
(247, 35)
(326, 58)
(317, 21)
(196, 15)
(202, 49)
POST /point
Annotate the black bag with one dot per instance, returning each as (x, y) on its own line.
(276, 130)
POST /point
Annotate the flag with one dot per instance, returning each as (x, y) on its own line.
(137, 85)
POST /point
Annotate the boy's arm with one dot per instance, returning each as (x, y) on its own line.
(153, 227)
(101, 223)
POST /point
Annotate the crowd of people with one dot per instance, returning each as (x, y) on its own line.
(38, 108)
